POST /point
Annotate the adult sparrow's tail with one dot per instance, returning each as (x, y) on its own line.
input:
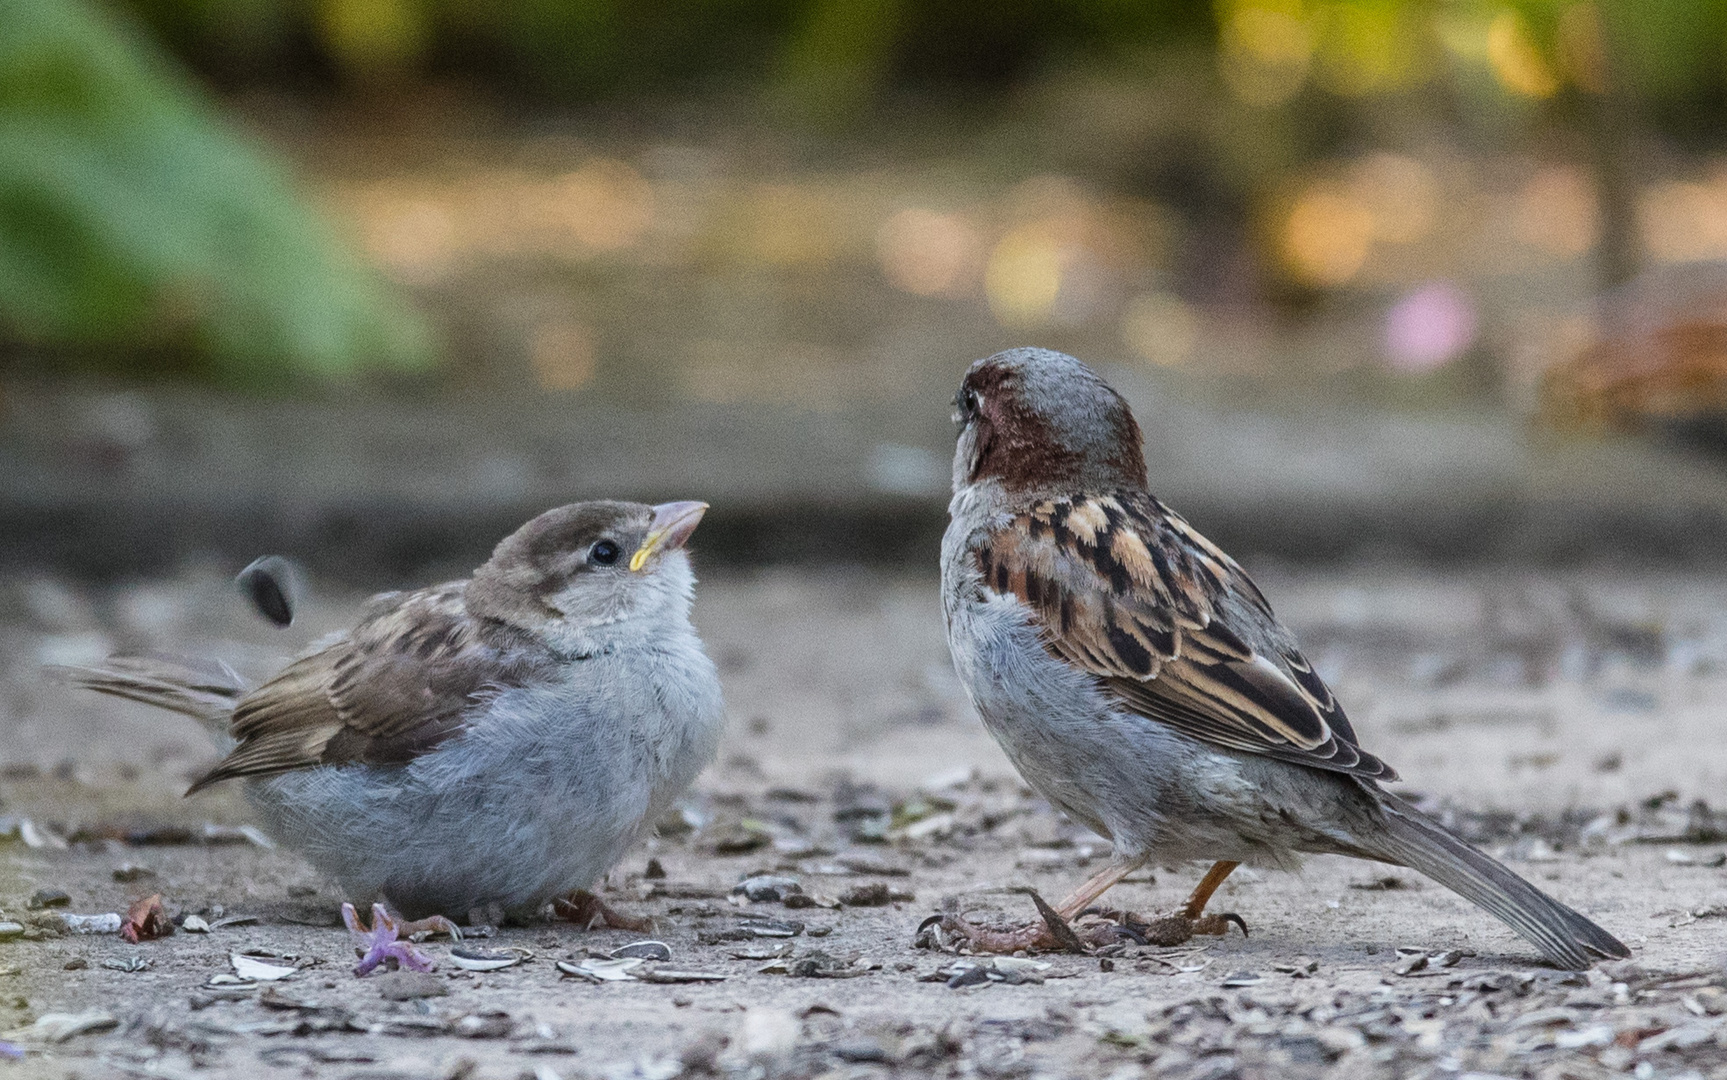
(204, 690)
(1566, 937)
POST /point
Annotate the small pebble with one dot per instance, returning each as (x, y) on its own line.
(47, 898)
(132, 872)
(410, 985)
(767, 888)
(77, 963)
(860, 1051)
(484, 1026)
(875, 894)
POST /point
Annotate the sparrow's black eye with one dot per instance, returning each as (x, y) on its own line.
(604, 553)
(964, 406)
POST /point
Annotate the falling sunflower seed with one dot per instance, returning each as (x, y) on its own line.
(643, 950)
(255, 970)
(598, 971)
(272, 584)
(486, 959)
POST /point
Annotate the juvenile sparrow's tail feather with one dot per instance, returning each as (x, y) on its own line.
(1567, 937)
(205, 690)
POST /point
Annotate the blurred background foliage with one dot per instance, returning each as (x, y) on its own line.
(132, 219)
(1672, 52)
(139, 231)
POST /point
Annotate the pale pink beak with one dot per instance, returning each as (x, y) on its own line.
(670, 530)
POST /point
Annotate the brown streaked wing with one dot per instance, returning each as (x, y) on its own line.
(401, 683)
(1131, 593)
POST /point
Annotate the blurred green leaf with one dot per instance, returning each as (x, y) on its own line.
(839, 54)
(132, 220)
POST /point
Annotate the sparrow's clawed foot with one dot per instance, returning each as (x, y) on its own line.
(1191, 920)
(431, 924)
(1053, 934)
(1176, 928)
(590, 912)
(1076, 926)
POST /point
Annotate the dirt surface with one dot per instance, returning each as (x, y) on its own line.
(1569, 722)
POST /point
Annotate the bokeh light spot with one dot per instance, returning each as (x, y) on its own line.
(1516, 60)
(370, 38)
(606, 205)
(1429, 327)
(1267, 50)
(927, 253)
(1160, 328)
(1557, 212)
(1401, 195)
(1327, 235)
(563, 354)
(411, 238)
(1024, 274)
(1368, 48)
(1685, 221)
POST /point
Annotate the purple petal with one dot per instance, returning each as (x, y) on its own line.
(382, 942)
(377, 941)
(408, 956)
(375, 954)
(351, 919)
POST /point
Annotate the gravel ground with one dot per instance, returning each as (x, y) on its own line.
(1567, 721)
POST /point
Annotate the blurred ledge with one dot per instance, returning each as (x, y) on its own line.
(102, 484)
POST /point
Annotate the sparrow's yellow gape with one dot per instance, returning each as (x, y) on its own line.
(672, 525)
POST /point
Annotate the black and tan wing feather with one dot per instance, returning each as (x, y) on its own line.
(402, 682)
(1128, 591)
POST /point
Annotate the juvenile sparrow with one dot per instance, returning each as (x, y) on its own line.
(493, 743)
(1139, 681)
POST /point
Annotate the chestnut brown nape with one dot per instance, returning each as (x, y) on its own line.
(1047, 420)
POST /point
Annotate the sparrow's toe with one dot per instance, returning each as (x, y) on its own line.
(590, 912)
(432, 924)
(1177, 929)
(962, 932)
(1051, 934)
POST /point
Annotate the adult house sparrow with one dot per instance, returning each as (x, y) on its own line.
(493, 743)
(1139, 681)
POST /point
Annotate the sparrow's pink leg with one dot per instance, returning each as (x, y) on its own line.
(1056, 933)
(1053, 932)
(1096, 885)
(589, 911)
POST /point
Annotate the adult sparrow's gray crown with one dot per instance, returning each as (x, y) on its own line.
(1138, 679)
(493, 743)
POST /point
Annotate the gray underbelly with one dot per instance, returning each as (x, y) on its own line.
(444, 850)
(1152, 790)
